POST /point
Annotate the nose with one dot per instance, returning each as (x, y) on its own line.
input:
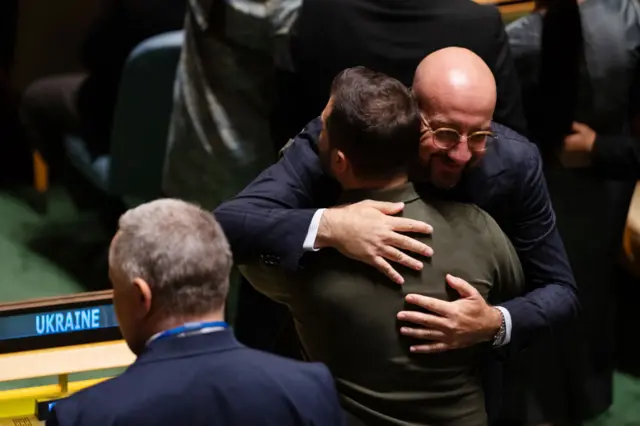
(460, 153)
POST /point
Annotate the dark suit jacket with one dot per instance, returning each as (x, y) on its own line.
(271, 217)
(391, 37)
(203, 380)
(345, 315)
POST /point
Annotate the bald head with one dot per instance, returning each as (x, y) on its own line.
(455, 80)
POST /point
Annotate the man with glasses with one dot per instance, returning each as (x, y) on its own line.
(345, 312)
(279, 217)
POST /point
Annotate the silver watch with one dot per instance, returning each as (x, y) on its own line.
(498, 339)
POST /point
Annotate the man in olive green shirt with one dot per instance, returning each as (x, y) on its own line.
(345, 312)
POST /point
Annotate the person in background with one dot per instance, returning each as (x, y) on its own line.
(578, 61)
(83, 103)
(389, 37)
(611, 156)
(169, 264)
(346, 316)
(219, 136)
(280, 217)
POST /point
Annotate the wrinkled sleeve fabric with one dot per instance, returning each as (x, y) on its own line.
(272, 215)
(551, 297)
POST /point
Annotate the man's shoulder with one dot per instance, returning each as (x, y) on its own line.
(100, 398)
(284, 375)
(454, 213)
(511, 150)
(137, 388)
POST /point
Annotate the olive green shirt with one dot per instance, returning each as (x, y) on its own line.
(345, 314)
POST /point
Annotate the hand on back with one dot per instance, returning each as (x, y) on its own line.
(367, 232)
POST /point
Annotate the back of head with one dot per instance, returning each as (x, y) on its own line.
(180, 251)
(374, 121)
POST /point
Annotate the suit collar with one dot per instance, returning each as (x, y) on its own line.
(405, 194)
(178, 347)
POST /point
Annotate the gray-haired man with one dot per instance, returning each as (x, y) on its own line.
(169, 265)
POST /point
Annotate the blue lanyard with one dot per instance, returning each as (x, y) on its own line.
(190, 328)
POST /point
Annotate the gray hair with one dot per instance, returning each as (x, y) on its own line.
(180, 250)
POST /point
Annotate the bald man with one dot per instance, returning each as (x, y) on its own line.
(279, 217)
(345, 316)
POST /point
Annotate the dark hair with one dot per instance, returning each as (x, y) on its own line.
(375, 121)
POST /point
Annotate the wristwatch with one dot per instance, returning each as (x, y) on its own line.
(498, 339)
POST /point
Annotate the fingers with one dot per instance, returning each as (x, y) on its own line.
(572, 138)
(403, 224)
(424, 320)
(431, 348)
(384, 207)
(410, 244)
(463, 288)
(578, 127)
(436, 306)
(419, 333)
(383, 266)
(395, 255)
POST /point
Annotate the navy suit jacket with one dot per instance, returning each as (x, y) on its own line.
(207, 379)
(271, 217)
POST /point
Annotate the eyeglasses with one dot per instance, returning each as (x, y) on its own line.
(446, 138)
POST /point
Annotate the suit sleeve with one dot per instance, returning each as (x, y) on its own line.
(509, 108)
(551, 298)
(272, 215)
(509, 281)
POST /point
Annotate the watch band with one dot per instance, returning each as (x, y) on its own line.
(498, 339)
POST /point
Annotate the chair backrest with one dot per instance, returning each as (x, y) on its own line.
(142, 115)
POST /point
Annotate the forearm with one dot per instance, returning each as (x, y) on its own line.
(253, 232)
(271, 217)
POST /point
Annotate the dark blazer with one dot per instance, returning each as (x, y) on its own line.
(391, 37)
(271, 217)
(203, 380)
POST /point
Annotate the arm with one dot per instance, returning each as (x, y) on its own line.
(274, 283)
(272, 215)
(509, 109)
(552, 298)
(272, 218)
(611, 157)
(508, 278)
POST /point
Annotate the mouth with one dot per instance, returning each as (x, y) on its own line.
(451, 167)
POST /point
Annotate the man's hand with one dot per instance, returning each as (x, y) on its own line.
(365, 232)
(576, 150)
(458, 324)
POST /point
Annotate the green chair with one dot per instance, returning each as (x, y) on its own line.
(133, 168)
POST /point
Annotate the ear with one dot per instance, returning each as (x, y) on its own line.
(340, 161)
(144, 295)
